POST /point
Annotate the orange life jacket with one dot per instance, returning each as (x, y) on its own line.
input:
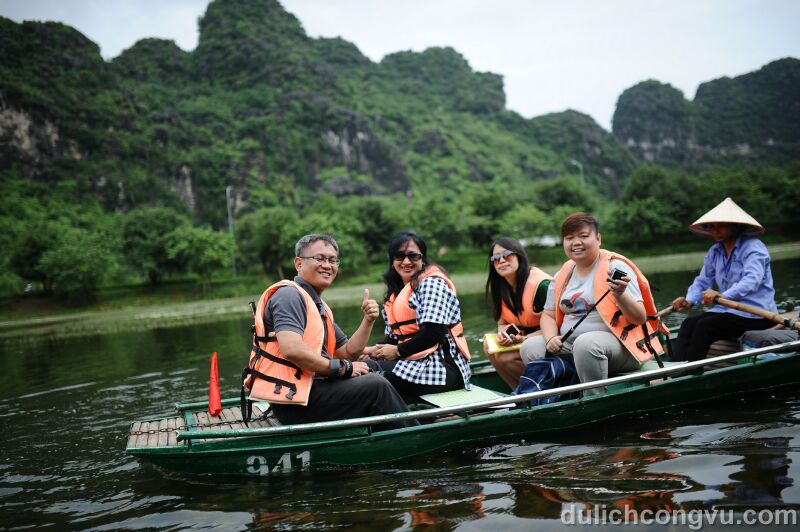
(528, 319)
(641, 341)
(269, 375)
(402, 319)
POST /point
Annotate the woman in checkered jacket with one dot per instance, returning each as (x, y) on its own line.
(424, 350)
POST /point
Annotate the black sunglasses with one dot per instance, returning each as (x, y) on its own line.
(504, 255)
(413, 257)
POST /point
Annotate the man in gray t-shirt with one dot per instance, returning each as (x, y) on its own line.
(343, 387)
(286, 311)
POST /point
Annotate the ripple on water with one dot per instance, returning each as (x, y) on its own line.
(705, 469)
(57, 390)
(32, 479)
(731, 434)
(5, 492)
(144, 376)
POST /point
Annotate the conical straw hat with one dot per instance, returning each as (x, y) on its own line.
(727, 212)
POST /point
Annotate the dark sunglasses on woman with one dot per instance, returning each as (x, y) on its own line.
(413, 257)
(504, 255)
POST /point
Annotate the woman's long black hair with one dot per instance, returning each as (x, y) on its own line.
(394, 283)
(498, 289)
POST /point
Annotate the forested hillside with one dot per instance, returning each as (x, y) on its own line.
(750, 118)
(125, 170)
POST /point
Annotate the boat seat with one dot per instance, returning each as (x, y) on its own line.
(461, 397)
(723, 347)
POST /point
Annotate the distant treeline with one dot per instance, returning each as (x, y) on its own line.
(64, 244)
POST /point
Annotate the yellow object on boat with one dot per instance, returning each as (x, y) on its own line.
(492, 347)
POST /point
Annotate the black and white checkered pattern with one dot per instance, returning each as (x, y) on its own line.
(434, 303)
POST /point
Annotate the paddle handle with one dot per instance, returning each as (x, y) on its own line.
(772, 316)
(665, 312)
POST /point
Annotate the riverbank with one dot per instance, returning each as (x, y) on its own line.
(139, 318)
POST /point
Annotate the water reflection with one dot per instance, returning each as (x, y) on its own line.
(589, 476)
(757, 477)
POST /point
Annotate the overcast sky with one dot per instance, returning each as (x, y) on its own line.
(553, 55)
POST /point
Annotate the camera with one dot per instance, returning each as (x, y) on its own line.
(618, 274)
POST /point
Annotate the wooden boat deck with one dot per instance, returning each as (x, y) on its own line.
(163, 432)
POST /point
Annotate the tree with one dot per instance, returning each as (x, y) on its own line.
(333, 218)
(490, 207)
(144, 239)
(440, 223)
(550, 193)
(525, 221)
(204, 251)
(78, 262)
(380, 218)
(645, 219)
(28, 250)
(265, 236)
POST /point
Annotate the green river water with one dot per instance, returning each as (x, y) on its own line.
(65, 407)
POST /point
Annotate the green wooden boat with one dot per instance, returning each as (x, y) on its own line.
(191, 442)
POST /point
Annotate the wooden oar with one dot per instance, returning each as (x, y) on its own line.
(772, 316)
(664, 312)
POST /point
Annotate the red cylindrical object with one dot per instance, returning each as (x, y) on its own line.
(214, 402)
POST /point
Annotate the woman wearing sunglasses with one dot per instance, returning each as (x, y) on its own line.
(517, 292)
(424, 350)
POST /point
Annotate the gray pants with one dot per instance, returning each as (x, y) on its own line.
(597, 354)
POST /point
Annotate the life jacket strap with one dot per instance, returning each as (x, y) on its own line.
(627, 329)
(615, 319)
(298, 371)
(526, 330)
(247, 405)
(644, 344)
(401, 323)
(650, 346)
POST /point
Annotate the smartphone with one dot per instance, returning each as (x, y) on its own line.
(512, 330)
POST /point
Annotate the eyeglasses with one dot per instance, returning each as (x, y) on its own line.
(504, 255)
(413, 257)
(320, 260)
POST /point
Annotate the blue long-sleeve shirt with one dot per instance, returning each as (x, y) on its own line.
(744, 276)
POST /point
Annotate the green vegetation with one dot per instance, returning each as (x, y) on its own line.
(115, 173)
(744, 120)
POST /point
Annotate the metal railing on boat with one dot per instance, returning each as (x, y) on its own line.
(503, 401)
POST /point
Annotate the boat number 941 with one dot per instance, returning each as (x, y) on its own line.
(260, 465)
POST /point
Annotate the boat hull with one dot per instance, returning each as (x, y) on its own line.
(267, 455)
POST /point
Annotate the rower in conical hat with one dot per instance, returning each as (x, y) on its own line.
(737, 267)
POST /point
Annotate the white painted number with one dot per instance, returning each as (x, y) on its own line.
(305, 459)
(284, 464)
(258, 465)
